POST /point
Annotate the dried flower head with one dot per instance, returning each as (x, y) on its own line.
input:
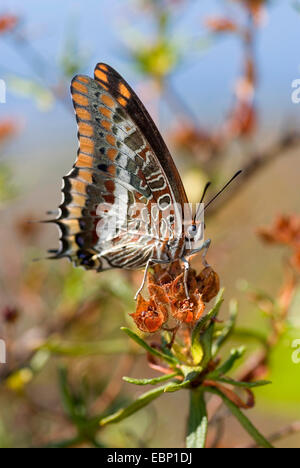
(286, 231)
(168, 297)
(149, 316)
(208, 284)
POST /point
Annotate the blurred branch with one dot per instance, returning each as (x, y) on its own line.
(114, 386)
(257, 163)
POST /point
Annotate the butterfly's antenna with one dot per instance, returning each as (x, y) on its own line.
(202, 198)
(204, 191)
(222, 190)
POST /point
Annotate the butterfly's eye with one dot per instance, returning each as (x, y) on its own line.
(192, 230)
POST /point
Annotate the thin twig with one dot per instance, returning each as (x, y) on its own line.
(114, 386)
(257, 163)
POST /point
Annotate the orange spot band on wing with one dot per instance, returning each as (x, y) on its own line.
(86, 176)
(75, 211)
(72, 225)
(106, 124)
(122, 101)
(112, 153)
(86, 145)
(78, 200)
(83, 113)
(79, 99)
(84, 79)
(124, 91)
(108, 101)
(84, 161)
(78, 186)
(102, 66)
(85, 129)
(106, 112)
(112, 170)
(72, 243)
(111, 140)
(101, 75)
(79, 87)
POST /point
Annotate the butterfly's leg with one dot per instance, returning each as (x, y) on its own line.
(205, 248)
(148, 265)
(151, 261)
(186, 265)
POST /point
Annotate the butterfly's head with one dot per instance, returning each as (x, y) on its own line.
(194, 234)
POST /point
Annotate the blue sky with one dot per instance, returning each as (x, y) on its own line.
(205, 83)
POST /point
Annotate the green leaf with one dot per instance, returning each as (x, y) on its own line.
(175, 387)
(7, 189)
(73, 403)
(138, 404)
(42, 96)
(65, 348)
(190, 375)
(251, 334)
(67, 397)
(244, 421)
(198, 422)
(153, 381)
(228, 328)
(227, 366)
(236, 383)
(170, 360)
(206, 342)
(202, 340)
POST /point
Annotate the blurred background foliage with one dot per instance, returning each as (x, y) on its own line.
(216, 76)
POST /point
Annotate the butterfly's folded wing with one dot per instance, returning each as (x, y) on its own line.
(123, 167)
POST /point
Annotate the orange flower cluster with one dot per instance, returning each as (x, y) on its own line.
(285, 230)
(8, 23)
(188, 137)
(220, 25)
(167, 298)
(255, 7)
(7, 129)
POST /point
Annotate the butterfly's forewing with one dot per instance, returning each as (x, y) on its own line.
(111, 80)
(122, 163)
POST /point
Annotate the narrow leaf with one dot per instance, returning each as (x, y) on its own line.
(199, 340)
(153, 381)
(244, 421)
(227, 366)
(251, 334)
(170, 360)
(228, 328)
(138, 404)
(236, 383)
(198, 422)
(67, 397)
(66, 348)
(175, 387)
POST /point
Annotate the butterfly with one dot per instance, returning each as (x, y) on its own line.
(123, 183)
